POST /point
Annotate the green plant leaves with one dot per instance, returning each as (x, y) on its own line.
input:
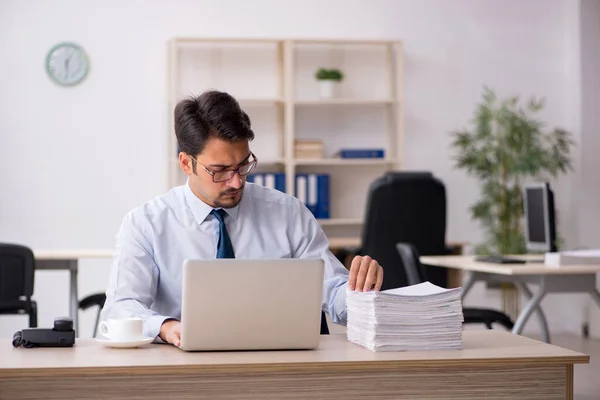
(507, 145)
(329, 74)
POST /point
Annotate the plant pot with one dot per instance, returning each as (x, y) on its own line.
(327, 88)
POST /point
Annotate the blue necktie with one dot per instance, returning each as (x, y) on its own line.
(224, 247)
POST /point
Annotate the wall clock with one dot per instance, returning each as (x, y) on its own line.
(67, 64)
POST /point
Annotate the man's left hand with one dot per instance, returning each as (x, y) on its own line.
(365, 274)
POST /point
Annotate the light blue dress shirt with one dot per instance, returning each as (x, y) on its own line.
(155, 239)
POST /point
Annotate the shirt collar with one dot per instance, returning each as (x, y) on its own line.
(200, 209)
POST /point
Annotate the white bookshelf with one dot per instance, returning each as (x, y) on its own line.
(273, 79)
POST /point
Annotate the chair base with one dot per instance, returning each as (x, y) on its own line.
(487, 317)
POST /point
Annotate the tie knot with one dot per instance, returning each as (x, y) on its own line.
(219, 214)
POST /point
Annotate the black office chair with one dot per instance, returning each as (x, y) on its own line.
(416, 273)
(98, 300)
(17, 272)
(404, 207)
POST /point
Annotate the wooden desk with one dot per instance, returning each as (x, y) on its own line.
(567, 279)
(493, 364)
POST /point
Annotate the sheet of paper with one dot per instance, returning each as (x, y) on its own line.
(582, 253)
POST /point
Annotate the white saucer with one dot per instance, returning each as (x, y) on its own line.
(125, 344)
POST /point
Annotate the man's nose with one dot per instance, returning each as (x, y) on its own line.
(235, 181)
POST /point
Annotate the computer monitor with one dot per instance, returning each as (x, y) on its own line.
(540, 225)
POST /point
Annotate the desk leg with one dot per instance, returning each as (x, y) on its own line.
(539, 312)
(530, 307)
(74, 301)
(469, 283)
(595, 295)
(570, 381)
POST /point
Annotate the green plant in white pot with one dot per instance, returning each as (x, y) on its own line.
(507, 146)
(328, 80)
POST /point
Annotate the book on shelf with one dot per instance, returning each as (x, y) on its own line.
(308, 149)
(311, 189)
(362, 153)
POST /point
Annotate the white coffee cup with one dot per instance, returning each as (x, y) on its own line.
(122, 329)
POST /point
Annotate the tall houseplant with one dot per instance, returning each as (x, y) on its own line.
(506, 146)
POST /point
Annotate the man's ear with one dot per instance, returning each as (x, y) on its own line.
(185, 162)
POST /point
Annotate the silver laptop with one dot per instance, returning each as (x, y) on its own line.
(237, 304)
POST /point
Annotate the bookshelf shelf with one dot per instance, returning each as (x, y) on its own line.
(274, 81)
(341, 102)
(260, 102)
(344, 162)
(340, 221)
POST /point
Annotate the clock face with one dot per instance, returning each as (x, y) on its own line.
(67, 64)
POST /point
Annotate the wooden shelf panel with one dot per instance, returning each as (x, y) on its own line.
(343, 101)
(260, 102)
(319, 41)
(344, 161)
(340, 221)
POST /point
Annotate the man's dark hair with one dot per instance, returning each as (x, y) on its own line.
(211, 115)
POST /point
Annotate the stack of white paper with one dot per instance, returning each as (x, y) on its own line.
(418, 317)
(572, 257)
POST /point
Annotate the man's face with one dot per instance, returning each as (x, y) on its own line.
(218, 156)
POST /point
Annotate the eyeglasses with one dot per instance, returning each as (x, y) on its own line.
(225, 175)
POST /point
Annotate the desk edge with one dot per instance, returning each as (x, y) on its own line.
(289, 367)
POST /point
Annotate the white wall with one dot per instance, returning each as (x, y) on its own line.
(590, 131)
(73, 161)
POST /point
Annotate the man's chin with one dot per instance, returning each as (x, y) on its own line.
(229, 201)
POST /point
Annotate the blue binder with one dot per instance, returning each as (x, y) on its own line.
(322, 196)
(362, 153)
(264, 179)
(313, 191)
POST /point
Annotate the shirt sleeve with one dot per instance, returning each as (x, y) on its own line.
(310, 242)
(133, 279)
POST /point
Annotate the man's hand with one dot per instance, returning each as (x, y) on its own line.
(170, 332)
(365, 274)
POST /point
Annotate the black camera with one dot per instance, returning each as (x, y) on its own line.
(62, 335)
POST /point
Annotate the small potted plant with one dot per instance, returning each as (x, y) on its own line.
(328, 79)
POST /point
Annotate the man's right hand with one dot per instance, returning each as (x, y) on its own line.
(170, 332)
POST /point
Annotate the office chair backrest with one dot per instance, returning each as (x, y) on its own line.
(415, 273)
(405, 207)
(17, 270)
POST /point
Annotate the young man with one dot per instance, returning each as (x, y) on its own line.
(216, 215)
